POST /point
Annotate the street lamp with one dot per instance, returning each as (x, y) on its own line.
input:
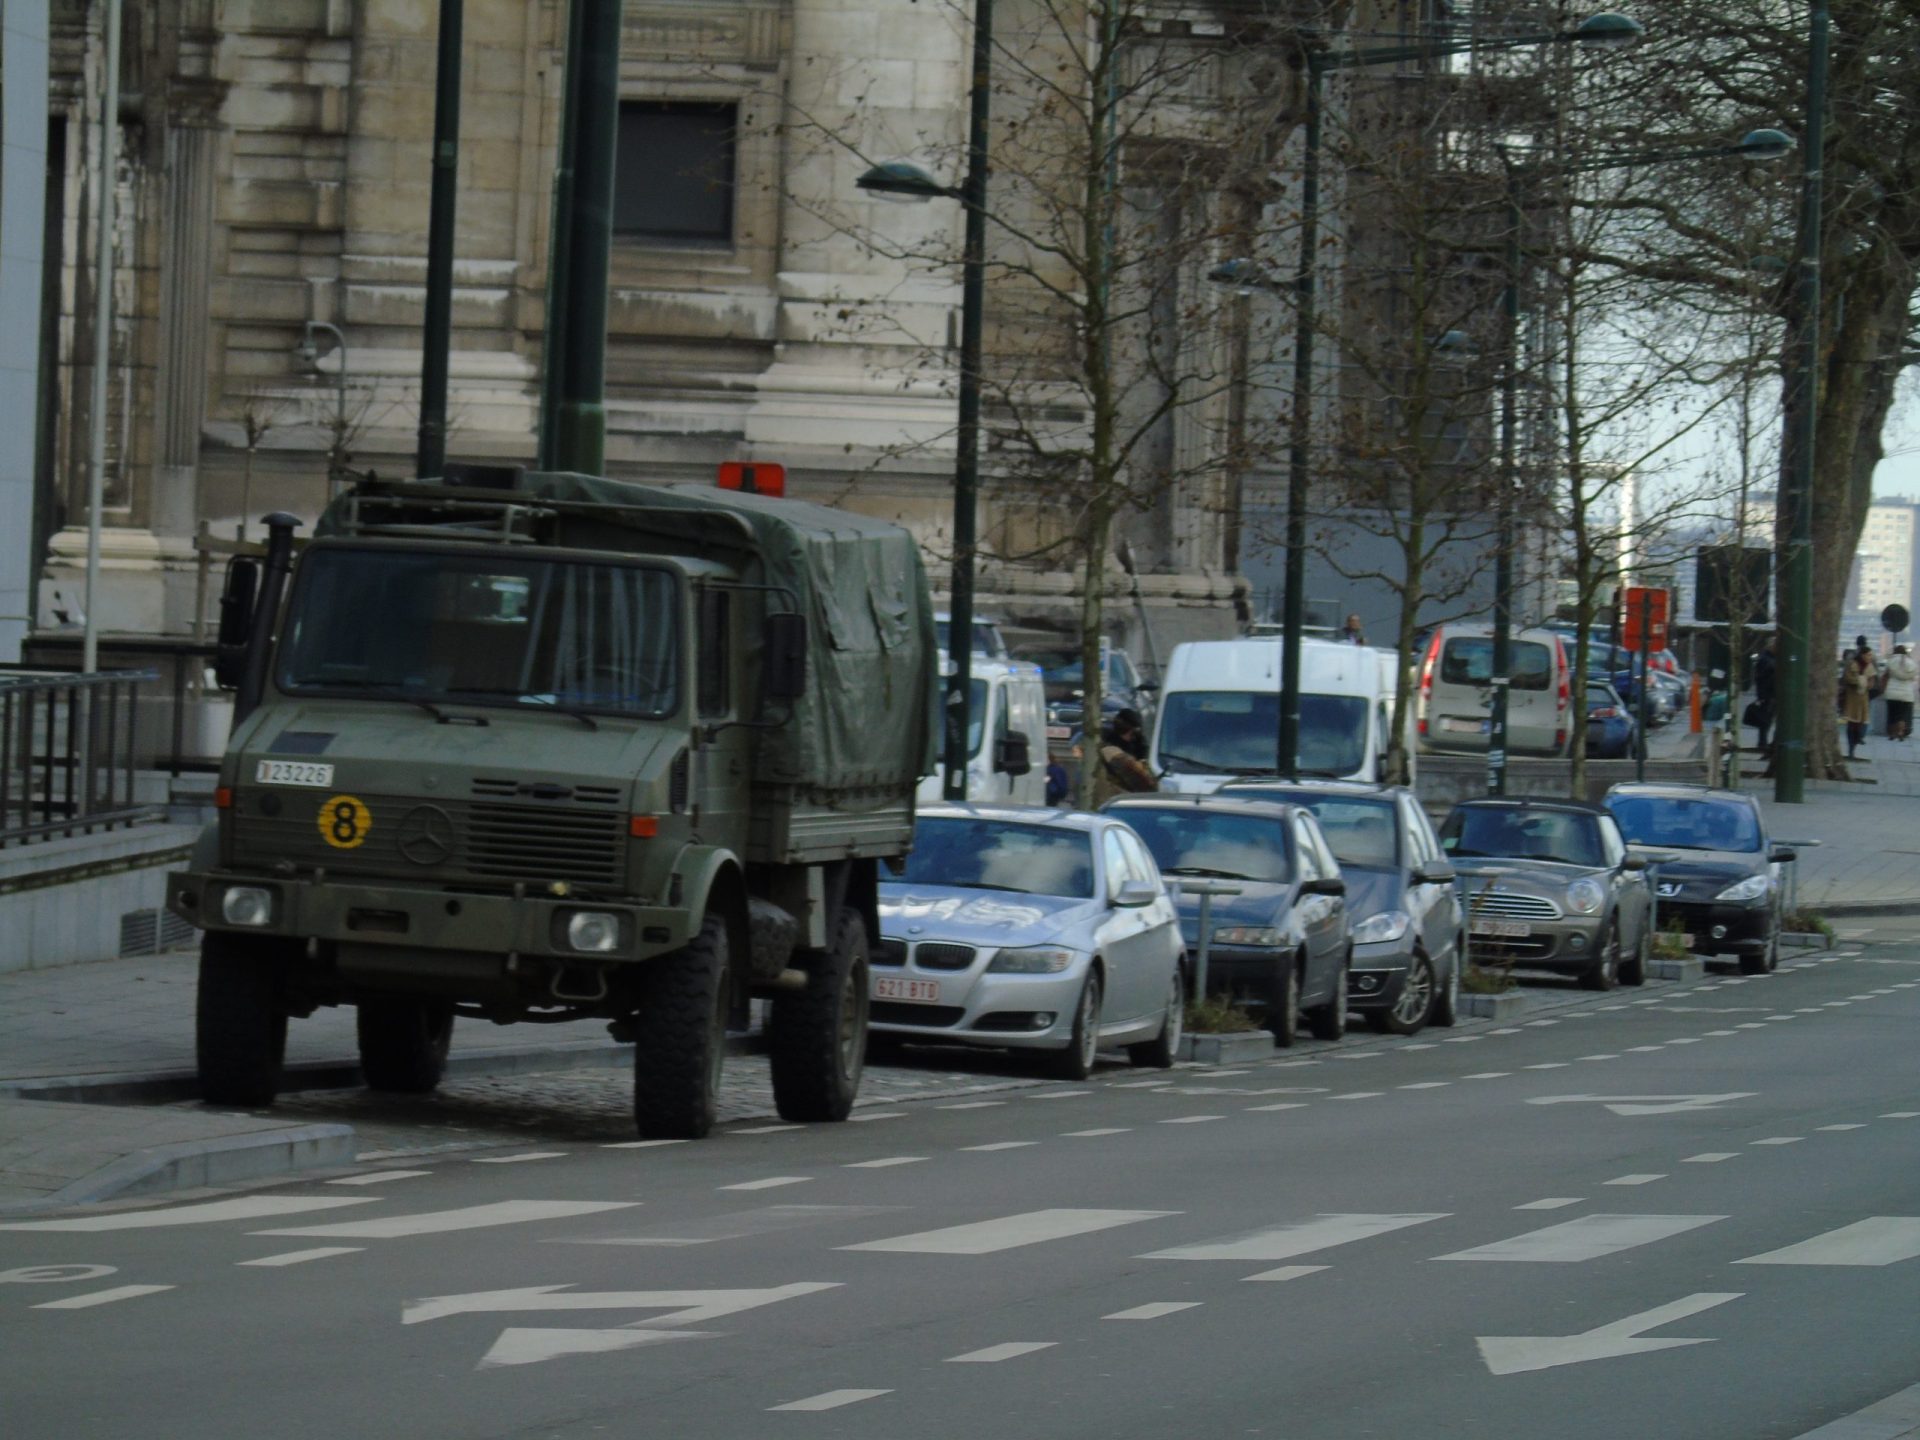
(899, 180)
(1761, 145)
(1603, 31)
(309, 353)
(1793, 674)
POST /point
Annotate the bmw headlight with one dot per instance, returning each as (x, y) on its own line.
(1033, 960)
(1585, 896)
(1248, 935)
(1754, 887)
(1387, 925)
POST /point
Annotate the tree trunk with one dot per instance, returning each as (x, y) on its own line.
(1093, 581)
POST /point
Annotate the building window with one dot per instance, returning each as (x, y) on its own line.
(673, 177)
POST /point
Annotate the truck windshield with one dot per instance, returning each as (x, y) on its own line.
(1234, 732)
(501, 629)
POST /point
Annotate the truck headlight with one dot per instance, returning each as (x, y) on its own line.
(1248, 935)
(1585, 896)
(1033, 960)
(1754, 887)
(1387, 925)
(593, 931)
(249, 905)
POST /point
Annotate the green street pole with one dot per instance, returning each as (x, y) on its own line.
(573, 413)
(430, 456)
(966, 460)
(1794, 674)
(1502, 677)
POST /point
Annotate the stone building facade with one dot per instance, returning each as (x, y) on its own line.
(272, 183)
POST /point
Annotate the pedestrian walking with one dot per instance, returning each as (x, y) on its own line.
(1903, 683)
(1122, 768)
(1856, 698)
(1760, 713)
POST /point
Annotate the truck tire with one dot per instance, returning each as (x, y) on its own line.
(240, 1020)
(680, 1038)
(403, 1043)
(817, 1037)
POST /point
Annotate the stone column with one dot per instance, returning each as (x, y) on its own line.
(180, 379)
(23, 188)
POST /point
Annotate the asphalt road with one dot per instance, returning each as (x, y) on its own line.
(1696, 1216)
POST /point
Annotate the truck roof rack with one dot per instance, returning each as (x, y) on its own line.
(503, 521)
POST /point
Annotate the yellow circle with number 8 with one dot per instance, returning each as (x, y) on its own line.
(344, 822)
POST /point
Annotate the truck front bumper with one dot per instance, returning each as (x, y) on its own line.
(419, 918)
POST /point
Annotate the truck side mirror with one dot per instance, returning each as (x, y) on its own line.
(783, 656)
(1014, 754)
(237, 598)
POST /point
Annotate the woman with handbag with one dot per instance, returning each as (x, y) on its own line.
(1856, 698)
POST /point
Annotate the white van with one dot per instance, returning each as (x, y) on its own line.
(1456, 692)
(1220, 712)
(1007, 699)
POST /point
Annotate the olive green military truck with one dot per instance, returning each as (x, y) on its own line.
(555, 747)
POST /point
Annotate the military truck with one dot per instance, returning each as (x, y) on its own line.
(553, 747)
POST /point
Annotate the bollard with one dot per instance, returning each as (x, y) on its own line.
(1694, 705)
(1206, 890)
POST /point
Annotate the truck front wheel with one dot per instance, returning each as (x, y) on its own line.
(240, 1020)
(817, 1037)
(680, 1038)
(403, 1043)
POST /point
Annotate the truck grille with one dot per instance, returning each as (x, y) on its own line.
(1514, 907)
(523, 842)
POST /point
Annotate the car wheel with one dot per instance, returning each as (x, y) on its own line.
(1076, 1061)
(1446, 1000)
(1766, 962)
(1604, 973)
(1410, 1009)
(1160, 1052)
(1634, 971)
(1283, 1003)
(1329, 1021)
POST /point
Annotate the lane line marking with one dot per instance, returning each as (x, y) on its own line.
(1489, 1075)
(1890, 1115)
(301, 1257)
(1633, 1180)
(1192, 1119)
(650, 1144)
(1003, 1145)
(1104, 1130)
(1285, 1272)
(1294, 1238)
(1154, 1310)
(877, 1115)
(1558, 1202)
(1880, 1240)
(245, 1207)
(973, 1105)
(102, 1297)
(994, 1354)
(1549, 1065)
(379, 1177)
(1060, 1095)
(1009, 1232)
(469, 1217)
(830, 1400)
(772, 1182)
(1588, 1238)
(1781, 1140)
(1709, 1157)
(885, 1164)
(1843, 1127)
(762, 1129)
(1283, 1105)
(517, 1159)
(1600, 1057)
(1359, 1095)
(1427, 1085)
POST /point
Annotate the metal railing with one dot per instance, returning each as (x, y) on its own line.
(66, 753)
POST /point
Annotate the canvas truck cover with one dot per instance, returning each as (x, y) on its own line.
(870, 715)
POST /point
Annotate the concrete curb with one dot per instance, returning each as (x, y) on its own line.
(152, 1087)
(192, 1164)
(1831, 908)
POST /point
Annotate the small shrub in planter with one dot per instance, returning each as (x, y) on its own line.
(1217, 1017)
(1670, 943)
(1487, 980)
(1806, 922)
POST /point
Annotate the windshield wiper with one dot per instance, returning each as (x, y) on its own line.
(1205, 766)
(1204, 871)
(522, 697)
(387, 692)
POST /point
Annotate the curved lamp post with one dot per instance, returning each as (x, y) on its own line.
(1603, 31)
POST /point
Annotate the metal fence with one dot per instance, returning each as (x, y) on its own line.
(67, 758)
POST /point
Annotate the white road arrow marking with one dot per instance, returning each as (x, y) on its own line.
(689, 1307)
(1512, 1354)
(1645, 1104)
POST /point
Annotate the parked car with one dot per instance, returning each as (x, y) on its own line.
(1611, 726)
(1719, 874)
(1455, 702)
(1281, 943)
(1402, 911)
(1550, 885)
(1029, 929)
(987, 639)
(1122, 687)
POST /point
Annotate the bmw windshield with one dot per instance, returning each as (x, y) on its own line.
(489, 629)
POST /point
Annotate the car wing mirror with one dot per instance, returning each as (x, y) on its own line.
(1434, 872)
(1634, 862)
(1780, 854)
(1324, 885)
(237, 597)
(1136, 893)
(1013, 754)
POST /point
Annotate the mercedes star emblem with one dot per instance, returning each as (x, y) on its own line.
(426, 835)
